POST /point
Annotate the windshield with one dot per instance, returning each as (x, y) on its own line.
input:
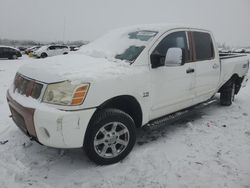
(122, 45)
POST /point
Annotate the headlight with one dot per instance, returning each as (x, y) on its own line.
(65, 93)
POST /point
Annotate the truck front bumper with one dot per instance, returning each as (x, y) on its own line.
(55, 128)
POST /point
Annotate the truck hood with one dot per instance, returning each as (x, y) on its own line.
(75, 67)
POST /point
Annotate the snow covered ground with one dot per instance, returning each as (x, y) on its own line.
(209, 148)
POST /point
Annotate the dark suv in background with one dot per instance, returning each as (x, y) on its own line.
(9, 52)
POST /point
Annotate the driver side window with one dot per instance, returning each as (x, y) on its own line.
(173, 40)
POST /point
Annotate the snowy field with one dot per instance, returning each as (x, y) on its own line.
(210, 148)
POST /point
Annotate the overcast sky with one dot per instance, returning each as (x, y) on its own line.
(87, 19)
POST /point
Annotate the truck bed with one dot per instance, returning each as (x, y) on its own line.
(233, 64)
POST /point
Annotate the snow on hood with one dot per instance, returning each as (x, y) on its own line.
(74, 67)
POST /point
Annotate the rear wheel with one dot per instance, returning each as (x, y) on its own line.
(227, 95)
(110, 137)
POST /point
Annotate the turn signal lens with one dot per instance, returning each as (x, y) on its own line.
(79, 95)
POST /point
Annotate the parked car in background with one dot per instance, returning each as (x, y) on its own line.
(51, 50)
(9, 52)
(22, 48)
(247, 50)
(222, 50)
(74, 48)
(240, 50)
(31, 49)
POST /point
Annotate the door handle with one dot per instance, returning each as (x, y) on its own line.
(215, 66)
(189, 71)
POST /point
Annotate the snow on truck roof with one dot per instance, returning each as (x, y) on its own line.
(161, 27)
(127, 43)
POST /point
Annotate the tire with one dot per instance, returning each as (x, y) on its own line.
(110, 137)
(227, 95)
(65, 53)
(44, 55)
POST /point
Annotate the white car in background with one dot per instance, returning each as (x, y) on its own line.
(240, 50)
(51, 50)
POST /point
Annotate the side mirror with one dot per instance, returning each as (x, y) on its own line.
(174, 57)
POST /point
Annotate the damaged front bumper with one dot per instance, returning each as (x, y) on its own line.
(54, 128)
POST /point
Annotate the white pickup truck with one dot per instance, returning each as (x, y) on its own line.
(129, 78)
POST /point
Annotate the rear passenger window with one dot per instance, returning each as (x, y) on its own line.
(203, 46)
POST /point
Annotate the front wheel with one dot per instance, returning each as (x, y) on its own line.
(228, 94)
(110, 137)
(44, 55)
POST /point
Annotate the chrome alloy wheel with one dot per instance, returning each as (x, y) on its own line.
(111, 140)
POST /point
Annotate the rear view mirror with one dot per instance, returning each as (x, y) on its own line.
(174, 57)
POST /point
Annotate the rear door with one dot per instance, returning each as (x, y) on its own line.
(56, 50)
(65, 49)
(51, 50)
(207, 65)
(59, 50)
(172, 86)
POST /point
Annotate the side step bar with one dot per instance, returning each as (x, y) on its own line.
(170, 118)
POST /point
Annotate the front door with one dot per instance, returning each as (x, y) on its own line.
(172, 87)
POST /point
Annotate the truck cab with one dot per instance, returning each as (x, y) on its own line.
(191, 81)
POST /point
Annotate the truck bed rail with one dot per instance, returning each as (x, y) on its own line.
(230, 55)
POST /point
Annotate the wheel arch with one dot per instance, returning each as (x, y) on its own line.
(125, 103)
(120, 102)
(237, 79)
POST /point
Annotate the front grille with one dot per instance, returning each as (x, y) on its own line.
(27, 87)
